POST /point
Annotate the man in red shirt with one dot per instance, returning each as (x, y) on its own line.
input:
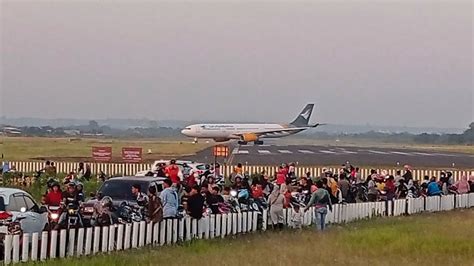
(172, 172)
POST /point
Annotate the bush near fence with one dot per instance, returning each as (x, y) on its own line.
(130, 169)
(90, 241)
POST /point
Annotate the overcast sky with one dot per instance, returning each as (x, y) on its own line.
(404, 63)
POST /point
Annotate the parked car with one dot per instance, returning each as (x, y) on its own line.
(16, 204)
(120, 190)
(19, 213)
(195, 167)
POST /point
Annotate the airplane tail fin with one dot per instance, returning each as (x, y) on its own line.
(303, 118)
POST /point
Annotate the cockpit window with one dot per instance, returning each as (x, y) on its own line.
(188, 128)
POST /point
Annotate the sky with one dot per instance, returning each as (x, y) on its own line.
(404, 63)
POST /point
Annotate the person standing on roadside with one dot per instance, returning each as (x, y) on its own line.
(172, 172)
(321, 199)
(169, 199)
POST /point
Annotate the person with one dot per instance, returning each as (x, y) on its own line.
(408, 173)
(169, 199)
(238, 170)
(297, 217)
(160, 171)
(80, 191)
(462, 185)
(398, 177)
(214, 199)
(276, 201)
(471, 184)
(155, 209)
(195, 203)
(69, 198)
(372, 191)
(390, 188)
(69, 178)
(321, 199)
(433, 188)
(141, 198)
(344, 186)
(257, 191)
(172, 172)
(54, 196)
(281, 176)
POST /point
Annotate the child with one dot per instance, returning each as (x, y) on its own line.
(297, 217)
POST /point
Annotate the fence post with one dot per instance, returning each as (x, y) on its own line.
(218, 225)
(175, 231)
(105, 239)
(135, 234)
(44, 245)
(95, 248)
(53, 245)
(141, 239)
(87, 250)
(72, 239)
(212, 226)
(16, 249)
(80, 242)
(62, 243)
(25, 247)
(149, 233)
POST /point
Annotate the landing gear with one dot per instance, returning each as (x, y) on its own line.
(195, 140)
(258, 142)
(241, 142)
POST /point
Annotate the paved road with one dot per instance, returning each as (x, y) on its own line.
(323, 155)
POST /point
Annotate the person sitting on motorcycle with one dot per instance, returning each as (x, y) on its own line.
(80, 191)
(237, 183)
(433, 188)
(209, 183)
(106, 213)
(54, 196)
(214, 199)
(226, 194)
(69, 198)
(257, 191)
(304, 185)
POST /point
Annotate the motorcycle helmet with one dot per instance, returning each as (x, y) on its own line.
(142, 200)
(106, 202)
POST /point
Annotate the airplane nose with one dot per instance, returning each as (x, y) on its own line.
(183, 131)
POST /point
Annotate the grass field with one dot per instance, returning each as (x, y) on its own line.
(428, 239)
(65, 149)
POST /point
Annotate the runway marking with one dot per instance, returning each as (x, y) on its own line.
(285, 151)
(401, 153)
(327, 152)
(349, 152)
(264, 152)
(306, 151)
(243, 152)
(235, 151)
(422, 153)
(378, 152)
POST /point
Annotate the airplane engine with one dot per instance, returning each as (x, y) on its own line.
(249, 137)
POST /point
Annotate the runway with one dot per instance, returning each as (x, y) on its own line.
(333, 155)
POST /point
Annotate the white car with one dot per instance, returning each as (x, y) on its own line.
(16, 204)
(195, 167)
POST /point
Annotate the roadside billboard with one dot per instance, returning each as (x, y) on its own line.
(132, 155)
(102, 154)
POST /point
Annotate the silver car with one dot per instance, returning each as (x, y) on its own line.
(18, 205)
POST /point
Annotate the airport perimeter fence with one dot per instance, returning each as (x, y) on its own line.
(130, 169)
(90, 241)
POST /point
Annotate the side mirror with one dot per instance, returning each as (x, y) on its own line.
(43, 209)
(23, 209)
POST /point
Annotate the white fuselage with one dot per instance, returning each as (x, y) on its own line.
(234, 131)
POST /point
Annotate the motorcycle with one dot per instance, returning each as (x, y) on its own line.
(9, 225)
(130, 214)
(54, 212)
(73, 217)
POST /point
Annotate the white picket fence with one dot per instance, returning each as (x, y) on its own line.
(130, 169)
(90, 241)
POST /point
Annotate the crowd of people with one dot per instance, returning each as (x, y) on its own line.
(201, 195)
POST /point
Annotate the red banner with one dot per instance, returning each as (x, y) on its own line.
(132, 155)
(221, 151)
(102, 154)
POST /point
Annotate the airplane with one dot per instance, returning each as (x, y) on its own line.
(246, 133)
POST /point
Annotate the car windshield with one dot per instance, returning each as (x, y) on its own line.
(121, 189)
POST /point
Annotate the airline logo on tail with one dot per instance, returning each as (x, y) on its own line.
(306, 114)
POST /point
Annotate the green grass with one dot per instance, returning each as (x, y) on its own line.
(428, 239)
(65, 149)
